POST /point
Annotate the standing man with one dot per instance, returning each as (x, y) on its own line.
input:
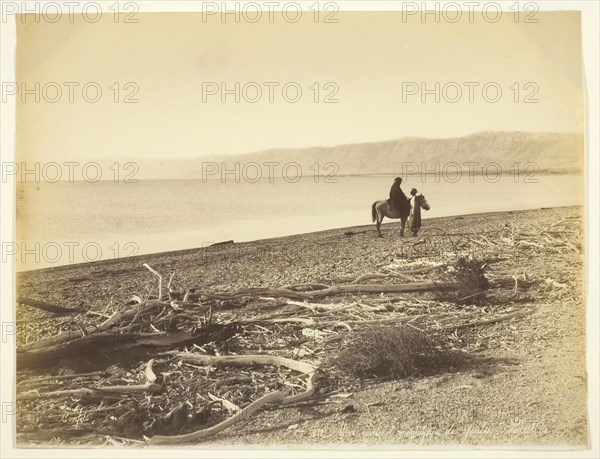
(415, 213)
(398, 199)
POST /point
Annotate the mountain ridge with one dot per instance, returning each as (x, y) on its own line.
(506, 150)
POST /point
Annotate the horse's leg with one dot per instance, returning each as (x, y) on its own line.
(379, 219)
(403, 219)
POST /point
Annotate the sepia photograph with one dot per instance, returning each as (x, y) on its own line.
(338, 227)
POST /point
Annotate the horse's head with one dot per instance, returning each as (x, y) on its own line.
(423, 202)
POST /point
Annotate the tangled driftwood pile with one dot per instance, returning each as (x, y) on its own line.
(190, 363)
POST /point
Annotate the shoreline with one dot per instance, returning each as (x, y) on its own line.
(386, 224)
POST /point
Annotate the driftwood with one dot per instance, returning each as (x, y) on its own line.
(329, 323)
(87, 392)
(490, 321)
(123, 338)
(74, 334)
(217, 244)
(157, 274)
(311, 286)
(86, 340)
(150, 386)
(357, 289)
(403, 274)
(120, 342)
(271, 397)
(61, 377)
(149, 372)
(245, 413)
(425, 269)
(368, 276)
(509, 282)
(46, 306)
(352, 233)
(394, 320)
(331, 291)
(335, 307)
(319, 306)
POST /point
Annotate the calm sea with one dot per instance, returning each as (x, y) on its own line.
(62, 223)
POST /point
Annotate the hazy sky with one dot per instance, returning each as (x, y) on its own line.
(367, 55)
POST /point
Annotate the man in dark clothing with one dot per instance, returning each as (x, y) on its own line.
(398, 199)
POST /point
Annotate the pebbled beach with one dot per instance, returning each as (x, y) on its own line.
(533, 391)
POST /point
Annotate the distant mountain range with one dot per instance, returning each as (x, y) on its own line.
(549, 152)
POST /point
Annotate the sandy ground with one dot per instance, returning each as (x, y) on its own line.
(530, 388)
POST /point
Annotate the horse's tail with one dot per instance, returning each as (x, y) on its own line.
(374, 212)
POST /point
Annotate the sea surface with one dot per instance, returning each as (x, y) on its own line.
(63, 223)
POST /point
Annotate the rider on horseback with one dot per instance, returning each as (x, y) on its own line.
(398, 199)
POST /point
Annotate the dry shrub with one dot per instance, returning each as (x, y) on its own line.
(471, 284)
(395, 351)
